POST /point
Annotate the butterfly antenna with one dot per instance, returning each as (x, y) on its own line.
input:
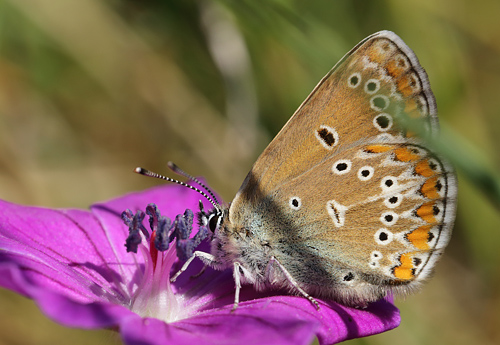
(181, 172)
(146, 172)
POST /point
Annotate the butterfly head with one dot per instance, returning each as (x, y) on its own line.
(212, 219)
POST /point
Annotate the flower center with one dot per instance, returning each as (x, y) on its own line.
(154, 296)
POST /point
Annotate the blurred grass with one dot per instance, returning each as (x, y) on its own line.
(91, 89)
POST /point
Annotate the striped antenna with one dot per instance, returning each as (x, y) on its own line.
(146, 172)
(181, 172)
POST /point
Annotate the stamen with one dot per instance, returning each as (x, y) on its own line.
(134, 223)
(154, 296)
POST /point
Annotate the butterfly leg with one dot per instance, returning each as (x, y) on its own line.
(237, 283)
(200, 273)
(290, 280)
(205, 257)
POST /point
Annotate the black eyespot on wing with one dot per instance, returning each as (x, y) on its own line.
(383, 121)
(435, 210)
(341, 166)
(371, 86)
(389, 217)
(439, 186)
(430, 236)
(383, 236)
(379, 102)
(327, 137)
(393, 199)
(389, 183)
(295, 202)
(354, 80)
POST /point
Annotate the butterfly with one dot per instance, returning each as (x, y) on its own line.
(345, 203)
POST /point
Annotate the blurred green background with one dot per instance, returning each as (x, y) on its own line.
(90, 89)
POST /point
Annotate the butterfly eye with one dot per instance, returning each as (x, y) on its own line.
(213, 222)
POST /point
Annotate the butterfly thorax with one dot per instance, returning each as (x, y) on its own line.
(235, 243)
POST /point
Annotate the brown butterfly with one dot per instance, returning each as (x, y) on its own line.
(344, 203)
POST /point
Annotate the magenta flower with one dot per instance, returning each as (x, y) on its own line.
(75, 266)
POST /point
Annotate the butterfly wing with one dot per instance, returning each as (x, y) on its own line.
(318, 191)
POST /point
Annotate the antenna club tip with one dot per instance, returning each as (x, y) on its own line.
(139, 170)
(171, 165)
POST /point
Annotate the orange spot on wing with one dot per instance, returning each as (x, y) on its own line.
(376, 55)
(411, 109)
(404, 86)
(426, 212)
(420, 237)
(423, 168)
(378, 148)
(429, 189)
(405, 271)
(403, 154)
(394, 69)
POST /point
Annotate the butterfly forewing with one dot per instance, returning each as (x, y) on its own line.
(361, 97)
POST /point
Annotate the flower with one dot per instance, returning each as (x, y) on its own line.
(74, 265)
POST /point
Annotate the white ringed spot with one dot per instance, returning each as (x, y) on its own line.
(388, 183)
(354, 80)
(379, 102)
(389, 218)
(336, 212)
(393, 201)
(383, 236)
(376, 255)
(327, 136)
(383, 122)
(295, 203)
(342, 167)
(365, 173)
(372, 86)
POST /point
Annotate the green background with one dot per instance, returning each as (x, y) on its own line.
(90, 89)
